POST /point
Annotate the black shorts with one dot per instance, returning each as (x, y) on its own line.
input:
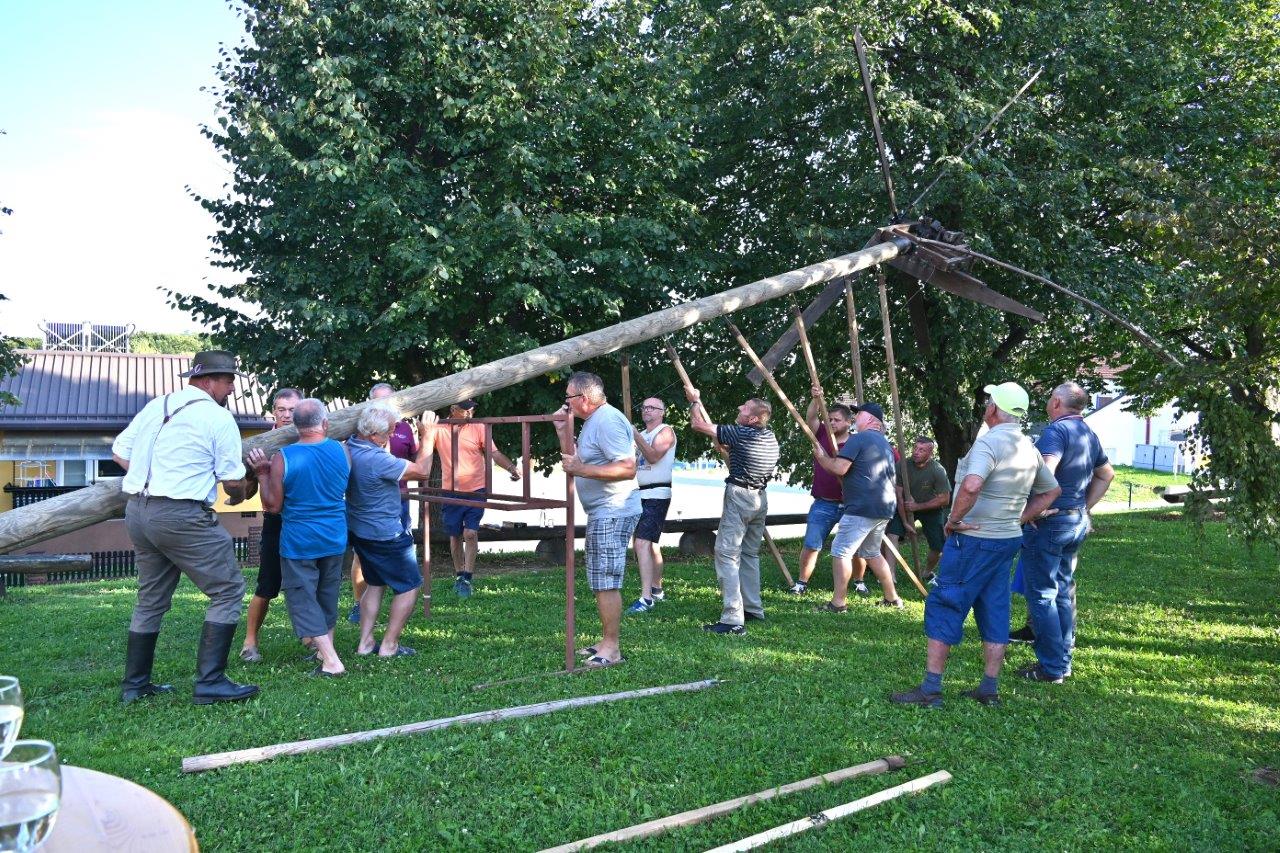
(931, 520)
(653, 513)
(269, 557)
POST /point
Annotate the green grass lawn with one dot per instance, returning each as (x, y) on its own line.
(1144, 484)
(1175, 700)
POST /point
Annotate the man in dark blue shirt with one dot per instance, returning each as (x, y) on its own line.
(1050, 545)
(865, 466)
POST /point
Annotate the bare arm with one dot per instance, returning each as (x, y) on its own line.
(420, 467)
(609, 472)
(838, 465)
(121, 461)
(504, 461)
(811, 415)
(270, 473)
(1102, 477)
(970, 488)
(661, 444)
(1037, 504)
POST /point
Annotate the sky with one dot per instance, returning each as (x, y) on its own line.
(101, 109)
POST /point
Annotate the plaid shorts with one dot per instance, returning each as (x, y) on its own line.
(608, 540)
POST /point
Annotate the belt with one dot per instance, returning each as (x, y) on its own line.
(745, 486)
(666, 485)
(1073, 511)
(207, 507)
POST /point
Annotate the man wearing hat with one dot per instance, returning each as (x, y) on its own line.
(984, 532)
(865, 466)
(175, 452)
(466, 480)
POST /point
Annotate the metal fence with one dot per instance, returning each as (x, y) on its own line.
(110, 564)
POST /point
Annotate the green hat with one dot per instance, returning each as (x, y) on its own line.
(1010, 397)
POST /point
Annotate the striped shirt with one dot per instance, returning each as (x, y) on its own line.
(753, 454)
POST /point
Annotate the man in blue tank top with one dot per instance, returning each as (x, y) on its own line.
(1050, 544)
(307, 484)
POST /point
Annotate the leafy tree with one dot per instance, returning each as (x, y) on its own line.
(420, 187)
(169, 343)
(10, 359)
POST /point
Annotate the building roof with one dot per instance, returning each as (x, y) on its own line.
(97, 391)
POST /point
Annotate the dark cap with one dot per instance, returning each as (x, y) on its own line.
(212, 362)
(872, 409)
(465, 404)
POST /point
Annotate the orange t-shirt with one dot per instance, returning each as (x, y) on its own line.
(470, 473)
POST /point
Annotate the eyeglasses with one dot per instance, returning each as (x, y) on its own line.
(572, 396)
(651, 408)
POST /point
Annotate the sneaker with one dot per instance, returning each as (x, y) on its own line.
(917, 697)
(1035, 672)
(1023, 635)
(991, 700)
(639, 607)
(753, 617)
(462, 587)
(722, 628)
(861, 588)
(354, 616)
(657, 593)
(896, 603)
(798, 588)
(829, 607)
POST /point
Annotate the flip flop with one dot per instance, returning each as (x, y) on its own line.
(401, 652)
(319, 672)
(588, 652)
(250, 654)
(598, 662)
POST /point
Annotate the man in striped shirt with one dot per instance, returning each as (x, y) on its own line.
(753, 456)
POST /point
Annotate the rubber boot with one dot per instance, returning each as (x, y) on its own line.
(138, 657)
(212, 684)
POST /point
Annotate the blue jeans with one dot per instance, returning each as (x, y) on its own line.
(973, 574)
(1048, 564)
(824, 515)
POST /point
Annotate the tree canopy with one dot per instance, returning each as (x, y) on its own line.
(422, 187)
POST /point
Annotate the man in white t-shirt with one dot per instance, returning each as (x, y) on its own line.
(655, 456)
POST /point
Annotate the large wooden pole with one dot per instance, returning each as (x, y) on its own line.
(626, 385)
(104, 500)
(897, 414)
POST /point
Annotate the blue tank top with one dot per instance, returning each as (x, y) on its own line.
(315, 504)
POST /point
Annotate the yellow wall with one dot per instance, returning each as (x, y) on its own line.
(6, 478)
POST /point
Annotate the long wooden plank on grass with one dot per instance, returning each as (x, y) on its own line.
(215, 760)
(706, 813)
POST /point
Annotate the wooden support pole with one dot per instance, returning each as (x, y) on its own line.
(688, 386)
(213, 761)
(626, 385)
(777, 389)
(706, 813)
(822, 818)
(904, 467)
(777, 555)
(897, 555)
(855, 351)
(104, 500)
(814, 379)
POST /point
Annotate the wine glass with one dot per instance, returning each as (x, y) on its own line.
(10, 712)
(30, 791)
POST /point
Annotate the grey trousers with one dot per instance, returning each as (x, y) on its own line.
(172, 538)
(311, 593)
(738, 552)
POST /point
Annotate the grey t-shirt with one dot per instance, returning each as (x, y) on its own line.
(1011, 469)
(373, 491)
(606, 437)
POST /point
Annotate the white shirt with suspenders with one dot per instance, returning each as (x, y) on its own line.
(655, 479)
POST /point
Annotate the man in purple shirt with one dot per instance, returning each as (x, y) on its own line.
(403, 444)
(828, 498)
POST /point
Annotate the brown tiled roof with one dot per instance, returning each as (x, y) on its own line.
(103, 391)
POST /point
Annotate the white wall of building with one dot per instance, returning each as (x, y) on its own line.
(1121, 431)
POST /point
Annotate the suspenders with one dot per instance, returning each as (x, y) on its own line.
(146, 486)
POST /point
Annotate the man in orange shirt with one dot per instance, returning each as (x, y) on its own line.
(466, 481)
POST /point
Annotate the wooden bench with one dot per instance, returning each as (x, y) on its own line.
(38, 566)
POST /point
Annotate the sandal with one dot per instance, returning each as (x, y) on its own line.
(600, 662)
(401, 652)
(588, 652)
(896, 603)
(250, 654)
(829, 607)
(319, 672)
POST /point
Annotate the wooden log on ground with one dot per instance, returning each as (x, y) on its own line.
(216, 760)
(706, 813)
(102, 501)
(822, 818)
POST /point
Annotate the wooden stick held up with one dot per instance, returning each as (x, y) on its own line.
(813, 376)
(777, 389)
(897, 555)
(777, 556)
(905, 467)
(626, 385)
(854, 351)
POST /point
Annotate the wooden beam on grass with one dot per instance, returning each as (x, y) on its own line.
(706, 813)
(216, 760)
(822, 818)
